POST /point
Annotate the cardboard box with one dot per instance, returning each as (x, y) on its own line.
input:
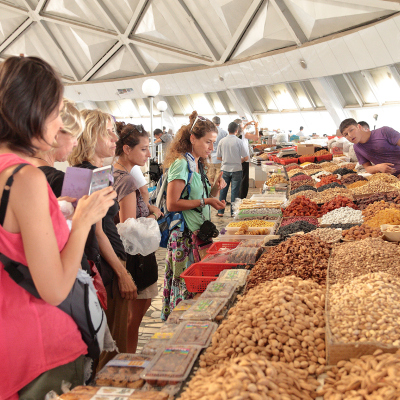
(303, 149)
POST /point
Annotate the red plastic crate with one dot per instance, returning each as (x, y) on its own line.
(286, 161)
(215, 248)
(326, 157)
(199, 275)
(306, 159)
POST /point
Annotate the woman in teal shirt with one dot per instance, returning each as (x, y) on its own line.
(197, 138)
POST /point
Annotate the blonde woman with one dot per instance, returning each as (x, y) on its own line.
(97, 142)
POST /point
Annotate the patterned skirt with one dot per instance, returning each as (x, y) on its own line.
(179, 258)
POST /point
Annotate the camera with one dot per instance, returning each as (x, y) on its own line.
(207, 231)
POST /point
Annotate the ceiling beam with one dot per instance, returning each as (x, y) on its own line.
(354, 89)
(289, 21)
(372, 85)
(109, 16)
(101, 62)
(259, 98)
(293, 95)
(48, 33)
(210, 102)
(140, 10)
(273, 97)
(23, 27)
(13, 8)
(138, 58)
(395, 74)
(308, 95)
(334, 88)
(40, 6)
(241, 103)
(202, 36)
(392, 5)
(241, 29)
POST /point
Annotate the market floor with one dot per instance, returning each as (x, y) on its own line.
(151, 322)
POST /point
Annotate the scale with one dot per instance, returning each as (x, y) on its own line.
(286, 152)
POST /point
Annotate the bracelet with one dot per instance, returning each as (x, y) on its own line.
(155, 215)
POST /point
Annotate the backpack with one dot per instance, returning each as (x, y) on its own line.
(171, 218)
(82, 303)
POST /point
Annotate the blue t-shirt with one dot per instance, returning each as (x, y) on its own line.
(380, 148)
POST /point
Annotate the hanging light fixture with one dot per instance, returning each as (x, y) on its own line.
(150, 89)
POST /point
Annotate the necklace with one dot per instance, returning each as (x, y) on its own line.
(122, 166)
(38, 158)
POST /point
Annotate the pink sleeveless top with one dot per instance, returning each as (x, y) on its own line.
(34, 335)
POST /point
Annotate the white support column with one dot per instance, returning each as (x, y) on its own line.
(241, 103)
(331, 102)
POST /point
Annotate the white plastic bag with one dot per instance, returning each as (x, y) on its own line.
(140, 236)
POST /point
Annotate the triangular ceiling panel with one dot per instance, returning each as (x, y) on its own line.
(121, 65)
(160, 62)
(167, 23)
(19, 3)
(233, 12)
(267, 32)
(86, 12)
(319, 18)
(122, 10)
(9, 22)
(84, 49)
(32, 44)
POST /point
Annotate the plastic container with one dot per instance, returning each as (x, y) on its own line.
(173, 364)
(240, 238)
(174, 317)
(245, 255)
(234, 275)
(204, 309)
(221, 247)
(286, 161)
(266, 230)
(325, 157)
(123, 370)
(194, 334)
(391, 236)
(219, 258)
(223, 290)
(159, 340)
(199, 275)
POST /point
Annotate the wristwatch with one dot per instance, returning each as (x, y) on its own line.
(202, 202)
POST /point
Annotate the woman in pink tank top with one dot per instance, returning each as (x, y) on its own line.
(37, 340)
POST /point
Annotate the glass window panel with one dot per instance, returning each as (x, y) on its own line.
(283, 96)
(311, 91)
(255, 103)
(388, 88)
(345, 91)
(219, 108)
(363, 87)
(201, 104)
(267, 98)
(185, 104)
(301, 96)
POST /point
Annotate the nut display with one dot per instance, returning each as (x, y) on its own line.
(391, 197)
(356, 184)
(388, 216)
(311, 166)
(275, 179)
(332, 185)
(298, 226)
(373, 187)
(329, 194)
(393, 228)
(320, 174)
(251, 377)
(343, 171)
(294, 171)
(301, 189)
(328, 179)
(244, 230)
(331, 167)
(353, 317)
(383, 177)
(252, 223)
(374, 208)
(300, 177)
(245, 255)
(282, 320)
(351, 178)
(336, 202)
(296, 184)
(291, 167)
(290, 220)
(303, 256)
(361, 232)
(352, 259)
(361, 379)
(344, 215)
(310, 194)
(322, 152)
(327, 235)
(301, 206)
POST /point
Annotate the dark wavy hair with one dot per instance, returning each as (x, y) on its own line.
(30, 91)
(130, 135)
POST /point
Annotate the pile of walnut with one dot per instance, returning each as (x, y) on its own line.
(303, 256)
(361, 232)
(251, 377)
(371, 377)
(282, 320)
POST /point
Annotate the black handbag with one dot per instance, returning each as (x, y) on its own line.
(144, 270)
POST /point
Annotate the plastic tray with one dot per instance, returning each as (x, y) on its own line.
(194, 333)
(159, 340)
(199, 275)
(220, 247)
(240, 238)
(205, 309)
(286, 161)
(234, 275)
(223, 290)
(325, 157)
(306, 159)
(174, 364)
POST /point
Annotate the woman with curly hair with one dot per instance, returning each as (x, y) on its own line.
(192, 144)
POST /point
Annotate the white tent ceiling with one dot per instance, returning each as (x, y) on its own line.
(95, 40)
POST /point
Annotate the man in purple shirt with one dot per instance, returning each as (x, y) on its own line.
(380, 147)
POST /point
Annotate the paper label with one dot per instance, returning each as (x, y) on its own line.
(197, 326)
(108, 390)
(183, 307)
(128, 363)
(203, 304)
(163, 336)
(180, 350)
(217, 287)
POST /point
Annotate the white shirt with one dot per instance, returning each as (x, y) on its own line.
(231, 150)
(221, 135)
(138, 177)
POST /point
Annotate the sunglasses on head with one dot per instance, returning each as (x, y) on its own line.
(139, 128)
(197, 118)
